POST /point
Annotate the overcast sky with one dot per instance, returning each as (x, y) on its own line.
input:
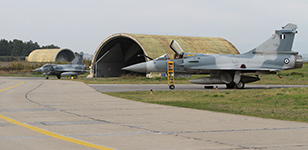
(81, 25)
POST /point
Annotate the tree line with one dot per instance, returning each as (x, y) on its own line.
(20, 48)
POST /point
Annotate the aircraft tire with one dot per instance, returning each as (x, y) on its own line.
(58, 76)
(240, 85)
(47, 77)
(171, 87)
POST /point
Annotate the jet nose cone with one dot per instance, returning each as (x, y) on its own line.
(141, 67)
(37, 70)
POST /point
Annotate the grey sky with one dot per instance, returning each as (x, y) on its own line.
(81, 25)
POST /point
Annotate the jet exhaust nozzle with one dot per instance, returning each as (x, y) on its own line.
(298, 61)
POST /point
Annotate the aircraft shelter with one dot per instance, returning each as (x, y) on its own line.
(51, 55)
(122, 49)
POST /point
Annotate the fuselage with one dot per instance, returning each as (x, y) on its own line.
(53, 69)
(206, 63)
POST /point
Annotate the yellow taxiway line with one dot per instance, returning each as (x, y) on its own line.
(21, 83)
(48, 133)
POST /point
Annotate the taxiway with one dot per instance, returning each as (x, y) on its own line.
(55, 114)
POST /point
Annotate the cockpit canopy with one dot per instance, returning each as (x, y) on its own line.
(163, 57)
(47, 65)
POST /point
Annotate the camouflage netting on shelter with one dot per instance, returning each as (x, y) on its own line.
(121, 50)
(51, 55)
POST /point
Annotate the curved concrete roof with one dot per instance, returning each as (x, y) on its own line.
(156, 45)
(121, 49)
(51, 55)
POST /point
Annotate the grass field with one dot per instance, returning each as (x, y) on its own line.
(284, 104)
(296, 76)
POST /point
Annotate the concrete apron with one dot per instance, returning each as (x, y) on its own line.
(75, 110)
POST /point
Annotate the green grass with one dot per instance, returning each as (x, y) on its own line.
(284, 104)
(295, 76)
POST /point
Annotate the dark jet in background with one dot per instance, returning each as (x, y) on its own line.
(72, 69)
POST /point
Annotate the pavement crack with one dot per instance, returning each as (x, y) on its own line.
(34, 102)
(60, 110)
(2, 82)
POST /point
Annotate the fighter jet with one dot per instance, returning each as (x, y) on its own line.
(272, 56)
(72, 69)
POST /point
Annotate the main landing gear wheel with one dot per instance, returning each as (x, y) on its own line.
(240, 85)
(47, 77)
(172, 87)
(233, 85)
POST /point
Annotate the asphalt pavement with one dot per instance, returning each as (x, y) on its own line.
(41, 114)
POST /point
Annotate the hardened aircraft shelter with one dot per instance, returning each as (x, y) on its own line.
(122, 49)
(51, 55)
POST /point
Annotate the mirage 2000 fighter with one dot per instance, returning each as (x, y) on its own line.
(72, 69)
(273, 55)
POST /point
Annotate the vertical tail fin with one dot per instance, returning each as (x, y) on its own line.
(281, 41)
(78, 59)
